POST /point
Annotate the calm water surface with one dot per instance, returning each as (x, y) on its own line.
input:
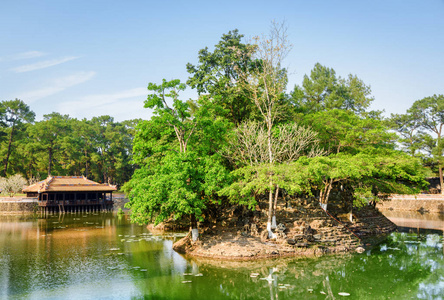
(103, 256)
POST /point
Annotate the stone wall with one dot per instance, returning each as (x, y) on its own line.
(433, 203)
(18, 205)
(119, 202)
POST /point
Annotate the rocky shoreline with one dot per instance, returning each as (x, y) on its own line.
(302, 232)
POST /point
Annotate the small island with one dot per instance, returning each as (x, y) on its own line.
(255, 172)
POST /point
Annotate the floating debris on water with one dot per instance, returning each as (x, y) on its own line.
(187, 274)
(254, 274)
(390, 248)
(343, 294)
(186, 281)
(269, 279)
(143, 270)
(114, 249)
(323, 293)
(199, 274)
(310, 290)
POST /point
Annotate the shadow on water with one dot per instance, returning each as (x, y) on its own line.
(91, 256)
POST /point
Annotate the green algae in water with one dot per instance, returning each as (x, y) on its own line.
(40, 261)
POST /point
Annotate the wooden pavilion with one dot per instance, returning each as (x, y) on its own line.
(71, 193)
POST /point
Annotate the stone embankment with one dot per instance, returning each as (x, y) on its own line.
(18, 205)
(302, 232)
(433, 203)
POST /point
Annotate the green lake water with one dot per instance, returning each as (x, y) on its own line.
(104, 256)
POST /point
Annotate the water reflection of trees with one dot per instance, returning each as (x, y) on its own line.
(48, 254)
(40, 256)
(402, 270)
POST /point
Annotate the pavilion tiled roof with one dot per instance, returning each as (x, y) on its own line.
(68, 184)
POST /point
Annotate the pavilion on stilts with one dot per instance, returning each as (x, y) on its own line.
(71, 194)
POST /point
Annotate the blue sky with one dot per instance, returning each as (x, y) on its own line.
(90, 58)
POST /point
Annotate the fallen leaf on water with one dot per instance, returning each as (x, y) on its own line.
(343, 294)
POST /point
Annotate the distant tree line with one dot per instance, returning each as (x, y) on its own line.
(99, 148)
(246, 139)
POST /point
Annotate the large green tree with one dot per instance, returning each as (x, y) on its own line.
(430, 112)
(324, 90)
(217, 74)
(50, 136)
(14, 114)
(180, 172)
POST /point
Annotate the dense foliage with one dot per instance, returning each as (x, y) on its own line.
(245, 137)
(100, 148)
(421, 132)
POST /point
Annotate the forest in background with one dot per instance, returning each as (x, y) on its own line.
(100, 148)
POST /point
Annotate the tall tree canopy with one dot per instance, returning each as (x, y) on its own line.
(13, 114)
(430, 112)
(323, 90)
(180, 172)
(218, 75)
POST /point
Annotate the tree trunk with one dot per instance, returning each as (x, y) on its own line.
(273, 221)
(270, 194)
(270, 210)
(49, 161)
(194, 230)
(86, 164)
(9, 151)
(441, 182)
(324, 194)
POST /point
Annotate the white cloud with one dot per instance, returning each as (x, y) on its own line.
(43, 64)
(27, 55)
(23, 55)
(109, 98)
(122, 105)
(56, 86)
